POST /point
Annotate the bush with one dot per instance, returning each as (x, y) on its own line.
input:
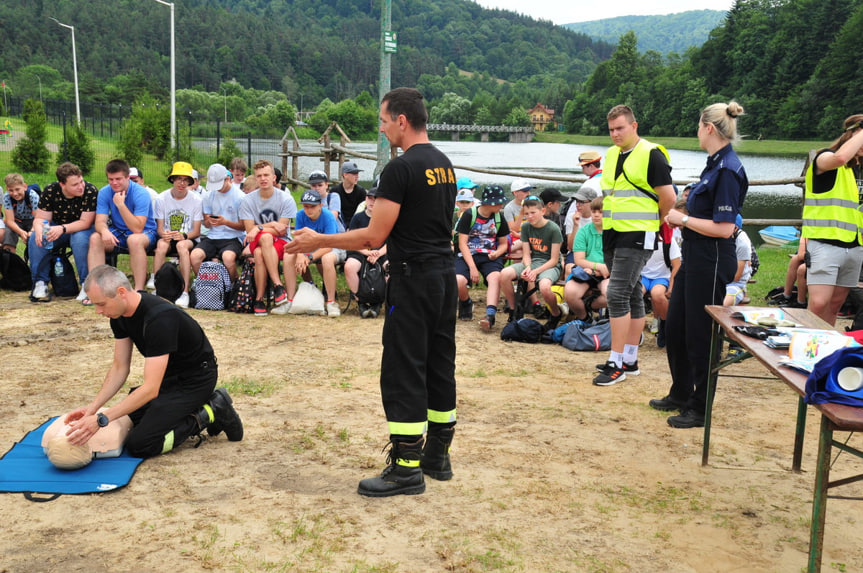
(77, 149)
(148, 128)
(30, 155)
(229, 149)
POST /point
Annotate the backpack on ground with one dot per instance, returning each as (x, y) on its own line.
(523, 330)
(14, 272)
(581, 336)
(169, 282)
(212, 286)
(373, 283)
(62, 274)
(242, 297)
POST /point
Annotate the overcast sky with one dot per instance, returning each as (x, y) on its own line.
(568, 11)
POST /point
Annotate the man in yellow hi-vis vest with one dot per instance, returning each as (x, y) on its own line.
(638, 193)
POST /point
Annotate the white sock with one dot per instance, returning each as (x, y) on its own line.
(617, 358)
(630, 353)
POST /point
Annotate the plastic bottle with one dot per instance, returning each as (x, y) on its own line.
(45, 228)
(58, 267)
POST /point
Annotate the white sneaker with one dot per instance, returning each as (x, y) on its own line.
(654, 326)
(333, 309)
(183, 301)
(564, 309)
(282, 308)
(81, 295)
(151, 284)
(40, 290)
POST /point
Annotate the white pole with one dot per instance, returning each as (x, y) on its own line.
(74, 69)
(173, 78)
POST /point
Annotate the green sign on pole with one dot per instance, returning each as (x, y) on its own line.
(391, 42)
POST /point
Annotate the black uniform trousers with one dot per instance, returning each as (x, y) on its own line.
(708, 265)
(418, 360)
(166, 421)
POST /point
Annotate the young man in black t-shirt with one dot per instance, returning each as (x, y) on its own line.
(413, 214)
(176, 399)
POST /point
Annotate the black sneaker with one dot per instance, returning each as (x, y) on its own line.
(667, 404)
(487, 323)
(374, 310)
(687, 419)
(780, 300)
(260, 308)
(540, 311)
(465, 309)
(552, 322)
(660, 336)
(280, 297)
(365, 310)
(631, 369)
(611, 375)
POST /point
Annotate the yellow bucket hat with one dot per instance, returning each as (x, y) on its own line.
(181, 168)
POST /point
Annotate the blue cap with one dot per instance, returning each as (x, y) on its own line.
(739, 221)
(465, 183)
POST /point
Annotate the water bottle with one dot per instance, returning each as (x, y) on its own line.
(45, 242)
(58, 267)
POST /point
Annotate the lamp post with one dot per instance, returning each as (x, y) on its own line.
(223, 90)
(74, 68)
(173, 78)
(383, 151)
(40, 87)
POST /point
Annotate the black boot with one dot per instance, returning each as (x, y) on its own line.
(403, 474)
(218, 414)
(435, 457)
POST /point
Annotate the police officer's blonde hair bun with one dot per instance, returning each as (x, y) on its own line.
(724, 117)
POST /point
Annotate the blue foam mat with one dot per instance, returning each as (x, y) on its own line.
(26, 469)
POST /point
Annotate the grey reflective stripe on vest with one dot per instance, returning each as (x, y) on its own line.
(631, 216)
(811, 202)
(827, 223)
(633, 193)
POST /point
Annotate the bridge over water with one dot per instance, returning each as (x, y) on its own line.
(516, 134)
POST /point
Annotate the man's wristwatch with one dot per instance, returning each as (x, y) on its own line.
(260, 227)
(102, 420)
(684, 220)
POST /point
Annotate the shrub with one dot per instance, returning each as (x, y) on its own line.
(30, 155)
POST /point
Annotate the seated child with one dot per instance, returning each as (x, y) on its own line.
(354, 260)
(657, 279)
(735, 291)
(589, 270)
(482, 245)
(540, 263)
(464, 200)
(19, 202)
(321, 220)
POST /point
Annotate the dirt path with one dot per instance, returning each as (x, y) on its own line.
(551, 472)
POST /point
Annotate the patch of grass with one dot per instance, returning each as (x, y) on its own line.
(252, 387)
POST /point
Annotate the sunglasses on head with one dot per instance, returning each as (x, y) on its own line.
(532, 198)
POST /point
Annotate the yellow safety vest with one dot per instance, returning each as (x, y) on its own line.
(630, 204)
(833, 214)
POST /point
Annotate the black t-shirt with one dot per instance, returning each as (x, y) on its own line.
(350, 201)
(422, 181)
(158, 327)
(658, 174)
(66, 210)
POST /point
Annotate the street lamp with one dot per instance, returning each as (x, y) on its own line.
(74, 68)
(40, 87)
(226, 102)
(173, 78)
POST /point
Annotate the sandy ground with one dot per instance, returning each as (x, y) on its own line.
(551, 472)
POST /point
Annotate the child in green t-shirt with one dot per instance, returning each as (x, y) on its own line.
(540, 262)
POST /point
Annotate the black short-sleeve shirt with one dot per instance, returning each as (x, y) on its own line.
(422, 181)
(158, 327)
(66, 210)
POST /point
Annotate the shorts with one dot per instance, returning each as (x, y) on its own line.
(341, 255)
(278, 242)
(358, 256)
(11, 239)
(215, 248)
(551, 274)
(172, 248)
(828, 264)
(648, 284)
(484, 265)
(123, 236)
(737, 290)
(569, 259)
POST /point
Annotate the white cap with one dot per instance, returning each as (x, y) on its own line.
(195, 174)
(133, 172)
(464, 195)
(521, 185)
(216, 176)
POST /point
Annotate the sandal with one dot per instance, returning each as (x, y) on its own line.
(87, 302)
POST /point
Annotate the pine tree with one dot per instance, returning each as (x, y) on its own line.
(30, 155)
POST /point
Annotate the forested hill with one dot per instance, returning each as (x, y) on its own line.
(320, 48)
(664, 34)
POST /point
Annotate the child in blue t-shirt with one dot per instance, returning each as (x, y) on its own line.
(19, 203)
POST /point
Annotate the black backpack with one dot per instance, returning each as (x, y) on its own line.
(524, 330)
(242, 298)
(373, 284)
(63, 275)
(169, 282)
(14, 271)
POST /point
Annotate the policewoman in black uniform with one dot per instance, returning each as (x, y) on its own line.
(709, 263)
